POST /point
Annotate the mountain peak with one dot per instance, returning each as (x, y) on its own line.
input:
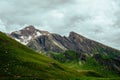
(27, 34)
(74, 34)
(30, 27)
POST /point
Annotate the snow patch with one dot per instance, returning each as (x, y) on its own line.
(22, 37)
(28, 29)
(24, 43)
(38, 34)
(18, 32)
(17, 40)
(26, 39)
(30, 37)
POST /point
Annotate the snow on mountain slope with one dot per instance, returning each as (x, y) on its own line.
(25, 35)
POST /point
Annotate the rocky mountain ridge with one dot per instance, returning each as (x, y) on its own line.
(82, 46)
(27, 34)
(46, 41)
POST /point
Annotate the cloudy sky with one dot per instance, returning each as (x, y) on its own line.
(96, 19)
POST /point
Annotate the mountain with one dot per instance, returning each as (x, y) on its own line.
(44, 40)
(27, 34)
(18, 62)
(77, 49)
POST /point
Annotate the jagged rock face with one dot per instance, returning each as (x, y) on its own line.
(25, 35)
(43, 40)
(57, 43)
(83, 44)
(44, 43)
(52, 42)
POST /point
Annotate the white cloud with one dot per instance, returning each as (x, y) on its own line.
(2, 26)
(95, 19)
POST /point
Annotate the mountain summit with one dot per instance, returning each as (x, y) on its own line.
(27, 34)
(46, 41)
(83, 47)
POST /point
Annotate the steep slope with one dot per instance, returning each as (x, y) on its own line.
(82, 47)
(83, 50)
(27, 34)
(43, 40)
(104, 64)
(19, 62)
(74, 42)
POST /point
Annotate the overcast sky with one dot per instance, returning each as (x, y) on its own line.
(96, 19)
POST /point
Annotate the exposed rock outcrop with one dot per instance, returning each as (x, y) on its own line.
(83, 47)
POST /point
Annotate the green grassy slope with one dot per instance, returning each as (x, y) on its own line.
(71, 59)
(19, 62)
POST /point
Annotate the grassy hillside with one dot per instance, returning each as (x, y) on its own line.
(87, 62)
(19, 62)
